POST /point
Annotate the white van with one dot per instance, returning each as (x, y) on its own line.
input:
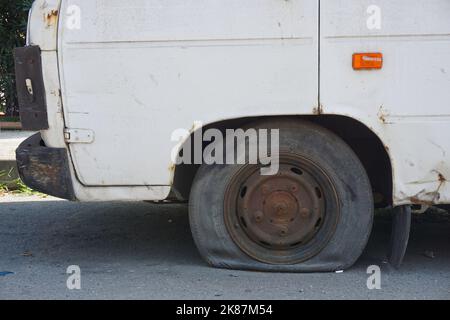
(359, 92)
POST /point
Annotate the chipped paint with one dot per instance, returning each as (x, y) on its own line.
(42, 24)
(318, 110)
(429, 198)
(382, 115)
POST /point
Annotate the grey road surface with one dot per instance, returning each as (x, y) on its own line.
(145, 251)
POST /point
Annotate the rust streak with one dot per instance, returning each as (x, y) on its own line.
(418, 199)
(415, 200)
(318, 110)
(51, 17)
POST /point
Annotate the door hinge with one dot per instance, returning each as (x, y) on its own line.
(78, 135)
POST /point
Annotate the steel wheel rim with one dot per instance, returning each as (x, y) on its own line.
(282, 219)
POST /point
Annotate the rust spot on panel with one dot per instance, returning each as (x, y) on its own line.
(51, 18)
(415, 200)
(429, 198)
(318, 110)
(382, 115)
(172, 168)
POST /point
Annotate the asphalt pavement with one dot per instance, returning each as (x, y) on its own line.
(145, 251)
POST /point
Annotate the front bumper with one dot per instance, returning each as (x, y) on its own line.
(45, 169)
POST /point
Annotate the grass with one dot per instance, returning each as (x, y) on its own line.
(9, 119)
(16, 186)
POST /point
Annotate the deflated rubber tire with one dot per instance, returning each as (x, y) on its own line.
(340, 234)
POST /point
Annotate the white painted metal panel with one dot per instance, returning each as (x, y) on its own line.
(44, 34)
(407, 103)
(43, 24)
(137, 70)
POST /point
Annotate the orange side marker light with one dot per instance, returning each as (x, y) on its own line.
(367, 61)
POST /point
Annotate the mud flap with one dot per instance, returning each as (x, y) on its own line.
(401, 226)
(45, 169)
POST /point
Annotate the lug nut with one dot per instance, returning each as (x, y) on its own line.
(258, 216)
(305, 212)
(281, 208)
(283, 232)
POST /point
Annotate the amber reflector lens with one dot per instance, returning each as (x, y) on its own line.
(366, 61)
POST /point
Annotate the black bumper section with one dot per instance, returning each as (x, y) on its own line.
(30, 88)
(45, 169)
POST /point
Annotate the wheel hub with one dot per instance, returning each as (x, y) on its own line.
(281, 218)
(282, 210)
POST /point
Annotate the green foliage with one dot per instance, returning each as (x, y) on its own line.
(15, 186)
(21, 188)
(13, 25)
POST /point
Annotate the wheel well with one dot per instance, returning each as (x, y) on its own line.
(366, 144)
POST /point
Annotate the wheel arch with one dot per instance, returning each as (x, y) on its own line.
(366, 144)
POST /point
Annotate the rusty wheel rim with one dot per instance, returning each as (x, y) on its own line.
(282, 219)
